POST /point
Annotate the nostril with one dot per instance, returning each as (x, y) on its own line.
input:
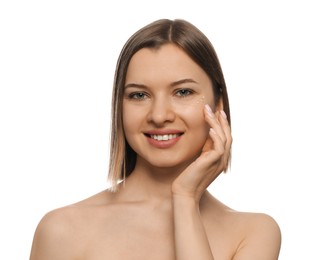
(161, 115)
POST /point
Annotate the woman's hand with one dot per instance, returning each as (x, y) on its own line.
(194, 180)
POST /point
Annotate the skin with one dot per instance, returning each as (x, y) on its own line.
(164, 210)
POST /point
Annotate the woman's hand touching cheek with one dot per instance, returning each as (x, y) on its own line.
(194, 180)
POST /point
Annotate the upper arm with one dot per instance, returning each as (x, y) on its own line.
(51, 239)
(263, 240)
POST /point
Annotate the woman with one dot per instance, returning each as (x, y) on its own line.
(170, 140)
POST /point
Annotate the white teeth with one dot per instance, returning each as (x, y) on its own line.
(163, 137)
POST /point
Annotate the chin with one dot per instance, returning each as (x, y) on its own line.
(169, 163)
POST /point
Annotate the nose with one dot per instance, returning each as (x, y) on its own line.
(161, 112)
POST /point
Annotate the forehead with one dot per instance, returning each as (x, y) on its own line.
(167, 63)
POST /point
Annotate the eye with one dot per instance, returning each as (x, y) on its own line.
(137, 95)
(184, 92)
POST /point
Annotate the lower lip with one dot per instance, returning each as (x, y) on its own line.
(163, 144)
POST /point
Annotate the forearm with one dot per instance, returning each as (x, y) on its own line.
(191, 241)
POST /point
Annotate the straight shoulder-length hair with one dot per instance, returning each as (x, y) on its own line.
(191, 40)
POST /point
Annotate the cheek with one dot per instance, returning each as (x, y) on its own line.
(132, 121)
(128, 120)
(193, 116)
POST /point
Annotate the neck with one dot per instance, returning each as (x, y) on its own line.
(150, 183)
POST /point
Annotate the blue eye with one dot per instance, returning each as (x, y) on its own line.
(184, 92)
(137, 95)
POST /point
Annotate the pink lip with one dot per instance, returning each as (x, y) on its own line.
(164, 144)
(163, 132)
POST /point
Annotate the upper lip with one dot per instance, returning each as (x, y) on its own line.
(163, 132)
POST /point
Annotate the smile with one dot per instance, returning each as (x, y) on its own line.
(164, 137)
(163, 140)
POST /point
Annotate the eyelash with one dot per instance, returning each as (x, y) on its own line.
(188, 92)
(183, 92)
(137, 95)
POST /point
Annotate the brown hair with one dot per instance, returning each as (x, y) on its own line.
(154, 35)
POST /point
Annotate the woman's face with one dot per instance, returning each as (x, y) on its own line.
(164, 96)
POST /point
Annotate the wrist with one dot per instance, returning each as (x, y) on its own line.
(181, 200)
(187, 196)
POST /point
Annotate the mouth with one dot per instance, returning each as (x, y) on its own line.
(164, 137)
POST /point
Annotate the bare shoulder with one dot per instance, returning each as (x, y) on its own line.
(261, 236)
(52, 239)
(259, 224)
(248, 235)
(60, 232)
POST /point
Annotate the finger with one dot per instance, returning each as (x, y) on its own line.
(227, 130)
(225, 126)
(213, 149)
(209, 145)
(213, 120)
(218, 145)
(220, 155)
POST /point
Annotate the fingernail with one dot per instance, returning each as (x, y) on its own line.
(223, 114)
(209, 110)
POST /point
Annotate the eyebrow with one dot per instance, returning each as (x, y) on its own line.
(182, 81)
(173, 84)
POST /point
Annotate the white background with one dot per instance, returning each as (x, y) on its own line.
(57, 62)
